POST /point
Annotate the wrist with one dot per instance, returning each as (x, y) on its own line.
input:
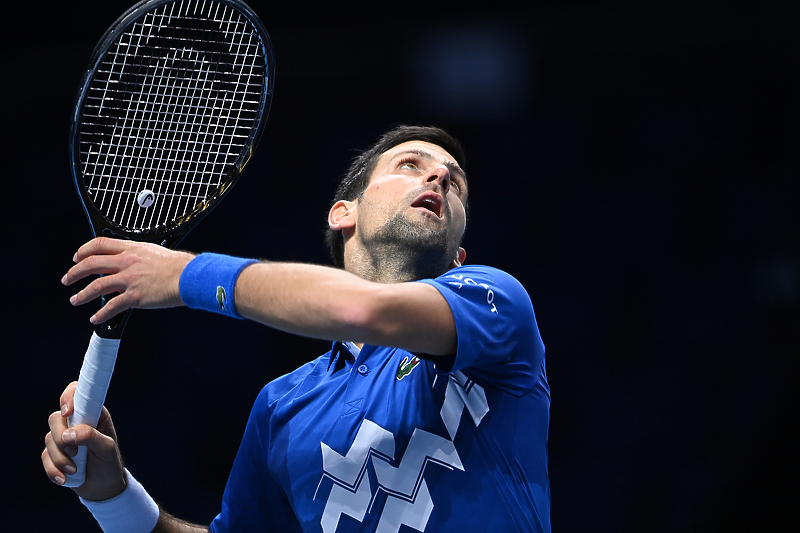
(208, 282)
(131, 511)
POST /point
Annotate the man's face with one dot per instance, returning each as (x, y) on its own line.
(415, 199)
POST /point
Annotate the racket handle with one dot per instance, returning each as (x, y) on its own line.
(90, 394)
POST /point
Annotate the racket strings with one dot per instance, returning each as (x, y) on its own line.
(170, 111)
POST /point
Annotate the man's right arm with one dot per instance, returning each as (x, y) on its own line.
(106, 477)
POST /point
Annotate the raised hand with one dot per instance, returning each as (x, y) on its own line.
(144, 275)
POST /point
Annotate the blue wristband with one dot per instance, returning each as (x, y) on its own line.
(208, 282)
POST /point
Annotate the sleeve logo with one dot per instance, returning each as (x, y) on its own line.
(469, 281)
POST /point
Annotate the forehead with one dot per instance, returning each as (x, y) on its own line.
(437, 153)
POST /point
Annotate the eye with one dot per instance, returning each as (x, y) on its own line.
(408, 164)
(458, 185)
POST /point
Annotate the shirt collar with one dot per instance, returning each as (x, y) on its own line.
(354, 350)
(341, 352)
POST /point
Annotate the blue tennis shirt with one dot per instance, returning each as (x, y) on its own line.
(381, 440)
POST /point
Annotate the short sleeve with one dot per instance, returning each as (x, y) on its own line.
(498, 338)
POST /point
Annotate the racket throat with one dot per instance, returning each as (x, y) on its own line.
(113, 327)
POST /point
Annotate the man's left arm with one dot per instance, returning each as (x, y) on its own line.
(309, 300)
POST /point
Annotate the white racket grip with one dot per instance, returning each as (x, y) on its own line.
(90, 394)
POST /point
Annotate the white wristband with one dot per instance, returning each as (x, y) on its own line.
(132, 511)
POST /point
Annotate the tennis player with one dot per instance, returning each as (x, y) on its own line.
(429, 413)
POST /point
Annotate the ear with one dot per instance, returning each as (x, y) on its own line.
(461, 256)
(342, 215)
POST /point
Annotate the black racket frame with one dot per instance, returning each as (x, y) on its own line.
(168, 237)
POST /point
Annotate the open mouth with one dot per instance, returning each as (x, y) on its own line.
(431, 202)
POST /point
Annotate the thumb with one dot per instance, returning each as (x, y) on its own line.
(105, 474)
(99, 444)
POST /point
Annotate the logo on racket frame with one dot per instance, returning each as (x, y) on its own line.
(146, 198)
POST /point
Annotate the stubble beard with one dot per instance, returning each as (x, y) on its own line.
(406, 250)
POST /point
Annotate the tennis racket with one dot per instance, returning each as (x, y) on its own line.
(168, 114)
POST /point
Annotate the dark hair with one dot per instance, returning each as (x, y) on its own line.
(357, 178)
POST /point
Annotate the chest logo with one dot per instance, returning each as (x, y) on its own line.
(406, 367)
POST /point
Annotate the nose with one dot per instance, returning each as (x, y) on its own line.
(440, 174)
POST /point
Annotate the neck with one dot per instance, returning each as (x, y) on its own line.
(395, 264)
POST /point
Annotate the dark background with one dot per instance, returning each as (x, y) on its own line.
(634, 165)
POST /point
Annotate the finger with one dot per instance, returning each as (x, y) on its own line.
(98, 287)
(100, 246)
(58, 425)
(53, 472)
(68, 442)
(100, 445)
(113, 307)
(67, 400)
(93, 265)
(57, 456)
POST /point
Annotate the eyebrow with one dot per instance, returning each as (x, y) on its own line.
(451, 165)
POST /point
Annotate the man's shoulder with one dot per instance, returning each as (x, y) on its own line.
(490, 278)
(475, 269)
(479, 274)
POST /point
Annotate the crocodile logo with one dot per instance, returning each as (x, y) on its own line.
(406, 367)
(222, 299)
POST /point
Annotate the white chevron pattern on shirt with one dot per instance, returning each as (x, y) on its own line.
(408, 498)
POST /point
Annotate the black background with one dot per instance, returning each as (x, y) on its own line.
(634, 165)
